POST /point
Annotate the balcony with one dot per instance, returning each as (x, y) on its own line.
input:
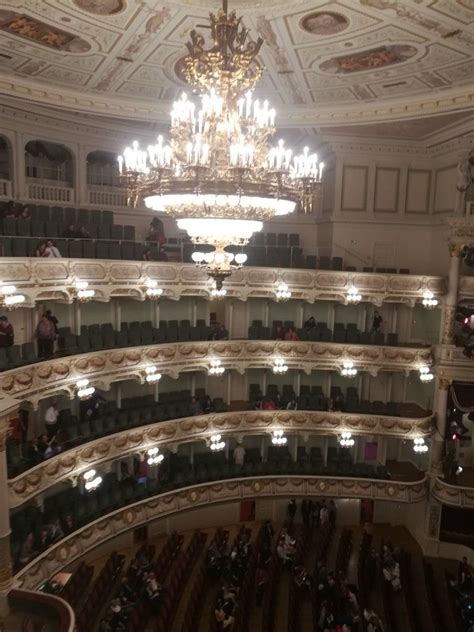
(453, 364)
(53, 559)
(455, 495)
(69, 465)
(54, 279)
(44, 379)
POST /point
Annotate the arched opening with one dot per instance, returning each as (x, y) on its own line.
(102, 169)
(49, 162)
(5, 159)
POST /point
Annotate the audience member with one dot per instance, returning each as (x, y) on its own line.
(291, 510)
(51, 419)
(23, 213)
(7, 334)
(239, 454)
(219, 332)
(292, 404)
(195, 406)
(40, 250)
(84, 233)
(310, 323)
(376, 322)
(45, 334)
(268, 404)
(464, 576)
(291, 334)
(9, 211)
(156, 231)
(279, 333)
(50, 316)
(71, 232)
(51, 250)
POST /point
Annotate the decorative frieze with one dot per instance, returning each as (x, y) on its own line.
(44, 379)
(54, 279)
(69, 465)
(80, 542)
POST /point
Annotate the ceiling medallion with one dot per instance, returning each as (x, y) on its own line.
(324, 23)
(219, 176)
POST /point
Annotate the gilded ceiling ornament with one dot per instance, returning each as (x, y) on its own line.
(324, 23)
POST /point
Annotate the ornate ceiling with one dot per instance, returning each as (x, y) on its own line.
(327, 62)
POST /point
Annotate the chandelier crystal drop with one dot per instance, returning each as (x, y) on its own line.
(219, 174)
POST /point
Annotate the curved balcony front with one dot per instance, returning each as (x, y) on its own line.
(54, 279)
(454, 495)
(44, 379)
(56, 557)
(168, 434)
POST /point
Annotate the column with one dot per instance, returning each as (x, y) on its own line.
(118, 395)
(117, 314)
(325, 450)
(331, 316)
(299, 315)
(77, 317)
(449, 309)
(230, 318)
(155, 313)
(266, 314)
(81, 188)
(297, 383)
(229, 388)
(440, 406)
(394, 322)
(5, 560)
(193, 384)
(19, 175)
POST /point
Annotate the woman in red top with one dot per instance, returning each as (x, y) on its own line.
(291, 334)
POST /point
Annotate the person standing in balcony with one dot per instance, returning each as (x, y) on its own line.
(239, 454)
(7, 334)
(376, 322)
(45, 334)
(156, 231)
(51, 419)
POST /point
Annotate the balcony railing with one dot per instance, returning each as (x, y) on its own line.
(72, 547)
(39, 279)
(50, 193)
(5, 188)
(107, 198)
(44, 379)
(58, 613)
(70, 464)
(454, 495)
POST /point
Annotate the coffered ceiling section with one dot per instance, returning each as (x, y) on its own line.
(327, 62)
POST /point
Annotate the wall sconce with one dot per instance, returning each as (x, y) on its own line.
(348, 369)
(429, 301)
(353, 297)
(151, 375)
(84, 391)
(216, 444)
(92, 481)
(346, 440)
(419, 445)
(425, 374)
(82, 293)
(282, 293)
(217, 292)
(153, 457)
(216, 368)
(279, 366)
(278, 438)
(9, 298)
(153, 291)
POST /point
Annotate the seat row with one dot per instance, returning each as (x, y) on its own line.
(12, 227)
(65, 214)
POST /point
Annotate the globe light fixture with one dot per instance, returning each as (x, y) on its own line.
(346, 440)
(279, 366)
(220, 175)
(9, 298)
(216, 368)
(282, 293)
(429, 301)
(153, 457)
(216, 444)
(278, 438)
(425, 374)
(152, 290)
(92, 481)
(419, 445)
(218, 264)
(84, 391)
(151, 375)
(83, 293)
(348, 369)
(353, 297)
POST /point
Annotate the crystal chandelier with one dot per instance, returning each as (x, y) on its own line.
(219, 175)
(278, 438)
(216, 444)
(429, 301)
(419, 445)
(279, 366)
(425, 374)
(348, 369)
(219, 265)
(346, 440)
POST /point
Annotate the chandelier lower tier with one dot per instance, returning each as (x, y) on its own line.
(219, 174)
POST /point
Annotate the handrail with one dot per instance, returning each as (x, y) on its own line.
(44, 379)
(455, 495)
(70, 464)
(31, 602)
(54, 558)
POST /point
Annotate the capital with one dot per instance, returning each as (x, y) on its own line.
(455, 250)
